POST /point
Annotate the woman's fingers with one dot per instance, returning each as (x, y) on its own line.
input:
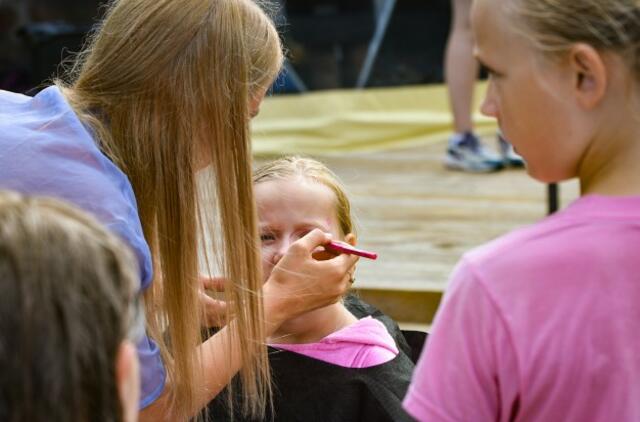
(300, 283)
(310, 242)
(339, 270)
(215, 284)
(321, 254)
(215, 311)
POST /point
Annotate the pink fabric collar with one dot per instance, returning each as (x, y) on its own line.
(363, 344)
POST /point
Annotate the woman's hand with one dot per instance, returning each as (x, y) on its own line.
(301, 282)
(215, 311)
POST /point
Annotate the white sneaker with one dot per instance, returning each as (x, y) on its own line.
(468, 154)
(509, 156)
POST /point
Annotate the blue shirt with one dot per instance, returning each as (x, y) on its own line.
(46, 150)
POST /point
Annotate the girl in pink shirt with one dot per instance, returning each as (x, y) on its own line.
(294, 196)
(542, 324)
(327, 364)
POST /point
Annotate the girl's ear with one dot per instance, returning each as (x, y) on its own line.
(590, 74)
(351, 239)
(128, 380)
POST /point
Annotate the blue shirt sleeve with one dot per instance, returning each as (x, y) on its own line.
(152, 372)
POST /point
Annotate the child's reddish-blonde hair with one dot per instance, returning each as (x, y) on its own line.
(295, 167)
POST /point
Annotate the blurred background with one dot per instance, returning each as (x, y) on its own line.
(327, 40)
(386, 142)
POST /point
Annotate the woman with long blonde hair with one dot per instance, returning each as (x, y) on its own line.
(163, 89)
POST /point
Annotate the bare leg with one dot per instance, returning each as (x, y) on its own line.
(461, 68)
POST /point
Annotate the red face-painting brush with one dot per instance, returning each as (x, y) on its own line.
(345, 248)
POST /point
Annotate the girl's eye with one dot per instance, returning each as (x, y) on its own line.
(266, 237)
(492, 74)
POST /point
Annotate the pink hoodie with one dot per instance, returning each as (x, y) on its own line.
(360, 345)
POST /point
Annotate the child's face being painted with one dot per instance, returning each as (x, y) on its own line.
(532, 97)
(288, 210)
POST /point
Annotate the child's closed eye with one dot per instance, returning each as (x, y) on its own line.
(492, 73)
(267, 237)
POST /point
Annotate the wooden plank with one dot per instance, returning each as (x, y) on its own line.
(412, 308)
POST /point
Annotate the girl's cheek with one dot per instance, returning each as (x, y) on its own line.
(274, 252)
(267, 253)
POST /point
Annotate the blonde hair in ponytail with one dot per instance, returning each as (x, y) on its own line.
(165, 86)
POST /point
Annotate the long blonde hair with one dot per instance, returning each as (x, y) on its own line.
(165, 86)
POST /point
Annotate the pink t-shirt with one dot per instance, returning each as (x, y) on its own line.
(360, 345)
(541, 325)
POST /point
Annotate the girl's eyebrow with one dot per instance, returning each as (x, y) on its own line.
(305, 225)
(265, 226)
(316, 225)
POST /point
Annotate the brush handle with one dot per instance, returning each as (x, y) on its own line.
(344, 248)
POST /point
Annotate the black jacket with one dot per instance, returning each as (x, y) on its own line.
(307, 389)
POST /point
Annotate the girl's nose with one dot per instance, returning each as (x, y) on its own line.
(280, 250)
(489, 106)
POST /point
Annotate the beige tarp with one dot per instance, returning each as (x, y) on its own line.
(334, 122)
